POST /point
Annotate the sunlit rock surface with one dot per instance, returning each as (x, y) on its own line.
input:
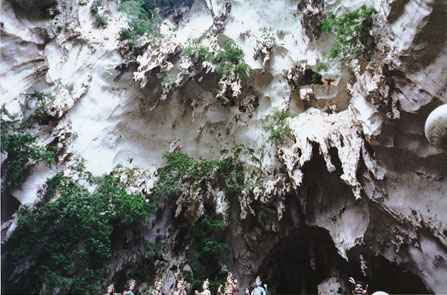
(357, 177)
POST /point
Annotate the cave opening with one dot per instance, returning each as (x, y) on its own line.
(383, 275)
(300, 262)
(306, 257)
(9, 205)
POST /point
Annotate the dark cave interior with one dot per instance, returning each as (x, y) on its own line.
(306, 257)
(383, 275)
(9, 205)
(299, 262)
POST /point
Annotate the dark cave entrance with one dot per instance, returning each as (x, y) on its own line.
(383, 275)
(299, 262)
(9, 205)
(393, 278)
(306, 257)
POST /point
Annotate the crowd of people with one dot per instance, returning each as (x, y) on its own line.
(129, 289)
(230, 287)
(360, 288)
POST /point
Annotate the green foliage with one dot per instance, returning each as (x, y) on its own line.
(181, 168)
(68, 240)
(209, 248)
(143, 18)
(22, 149)
(162, 4)
(178, 167)
(321, 67)
(231, 53)
(41, 112)
(203, 233)
(195, 50)
(123, 207)
(351, 32)
(277, 127)
(327, 25)
(208, 245)
(229, 60)
(152, 250)
(101, 21)
(230, 173)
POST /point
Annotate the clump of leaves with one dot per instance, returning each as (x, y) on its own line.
(195, 50)
(143, 19)
(277, 127)
(67, 242)
(321, 67)
(180, 168)
(209, 249)
(351, 32)
(152, 249)
(21, 149)
(41, 112)
(208, 245)
(162, 4)
(101, 21)
(230, 53)
(229, 60)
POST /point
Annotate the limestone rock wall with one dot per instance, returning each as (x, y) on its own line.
(355, 165)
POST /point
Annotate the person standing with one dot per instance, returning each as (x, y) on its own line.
(130, 288)
(259, 289)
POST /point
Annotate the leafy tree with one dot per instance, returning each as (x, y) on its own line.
(21, 149)
(209, 249)
(65, 243)
(351, 32)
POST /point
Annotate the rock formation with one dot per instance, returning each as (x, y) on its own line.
(304, 144)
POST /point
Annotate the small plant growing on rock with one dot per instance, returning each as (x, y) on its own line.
(22, 150)
(143, 19)
(101, 21)
(277, 127)
(41, 113)
(231, 60)
(180, 168)
(228, 63)
(351, 32)
(195, 50)
(321, 67)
